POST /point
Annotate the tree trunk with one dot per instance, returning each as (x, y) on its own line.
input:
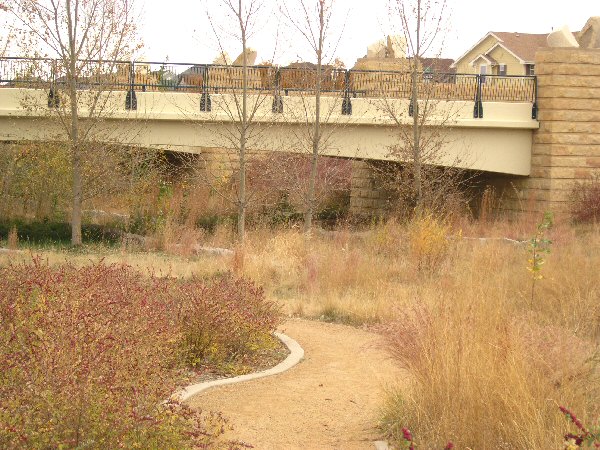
(316, 140)
(6, 182)
(77, 191)
(75, 146)
(416, 138)
(417, 154)
(241, 225)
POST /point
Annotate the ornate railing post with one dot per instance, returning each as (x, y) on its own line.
(131, 98)
(478, 109)
(53, 98)
(277, 99)
(347, 103)
(205, 103)
(534, 107)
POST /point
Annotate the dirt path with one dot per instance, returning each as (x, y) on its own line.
(330, 400)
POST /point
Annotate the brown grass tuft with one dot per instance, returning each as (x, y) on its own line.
(487, 368)
(13, 238)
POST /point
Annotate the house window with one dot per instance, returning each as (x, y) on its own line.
(482, 72)
(427, 75)
(502, 70)
(529, 69)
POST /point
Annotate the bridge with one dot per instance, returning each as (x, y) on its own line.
(488, 120)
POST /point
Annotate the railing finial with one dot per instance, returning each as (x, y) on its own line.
(205, 103)
(277, 99)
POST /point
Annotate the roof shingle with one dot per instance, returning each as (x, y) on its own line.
(523, 45)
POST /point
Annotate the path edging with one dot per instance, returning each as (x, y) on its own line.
(295, 356)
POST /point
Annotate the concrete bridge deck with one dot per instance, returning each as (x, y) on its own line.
(178, 119)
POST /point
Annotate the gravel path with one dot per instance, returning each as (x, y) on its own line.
(330, 400)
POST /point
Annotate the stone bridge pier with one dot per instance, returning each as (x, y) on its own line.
(565, 149)
(367, 197)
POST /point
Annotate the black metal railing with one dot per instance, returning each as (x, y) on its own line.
(207, 79)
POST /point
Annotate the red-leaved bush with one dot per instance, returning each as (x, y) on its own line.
(583, 437)
(585, 203)
(89, 355)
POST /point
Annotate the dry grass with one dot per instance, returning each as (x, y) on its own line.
(487, 366)
(339, 276)
(145, 262)
(13, 239)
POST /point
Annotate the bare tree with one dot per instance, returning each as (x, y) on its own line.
(288, 183)
(86, 38)
(5, 37)
(422, 25)
(313, 20)
(423, 129)
(243, 101)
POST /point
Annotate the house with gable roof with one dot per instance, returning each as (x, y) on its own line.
(502, 53)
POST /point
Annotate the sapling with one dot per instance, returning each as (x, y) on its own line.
(539, 245)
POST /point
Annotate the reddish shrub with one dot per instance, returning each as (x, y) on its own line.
(89, 355)
(585, 206)
(287, 175)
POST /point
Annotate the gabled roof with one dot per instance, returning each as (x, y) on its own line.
(440, 65)
(486, 57)
(437, 65)
(522, 45)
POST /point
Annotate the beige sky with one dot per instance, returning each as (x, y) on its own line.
(180, 29)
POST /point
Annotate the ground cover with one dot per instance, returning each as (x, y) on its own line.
(487, 362)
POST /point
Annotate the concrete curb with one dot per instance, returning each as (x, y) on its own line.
(296, 355)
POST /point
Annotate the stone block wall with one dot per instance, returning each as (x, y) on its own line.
(566, 148)
(367, 197)
(217, 163)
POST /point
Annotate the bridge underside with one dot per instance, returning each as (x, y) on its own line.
(499, 143)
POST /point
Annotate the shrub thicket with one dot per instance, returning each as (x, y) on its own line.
(89, 354)
(50, 232)
(235, 322)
